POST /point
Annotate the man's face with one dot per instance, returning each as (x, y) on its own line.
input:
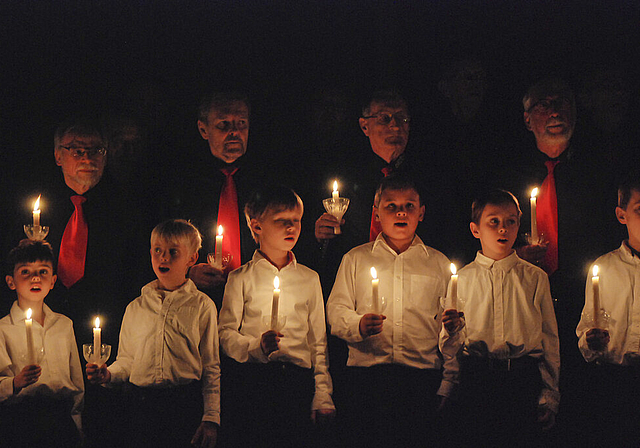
(497, 230)
(389, 140)
(551, 119)
(399, 212)
(630, 216)
(81, 161)
(227, 131)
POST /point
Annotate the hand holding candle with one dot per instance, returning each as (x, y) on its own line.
(275, 303)
(97, 341)
(31, 351)
(595, 282)
(534, 219)
(375, 302)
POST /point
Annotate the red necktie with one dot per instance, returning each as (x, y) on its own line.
(73, 247)
(229, 220)
(547, 217)
(376, 228)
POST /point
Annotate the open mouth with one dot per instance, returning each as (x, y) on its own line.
(401, 224)
(35, 288)
(163, 269)
(503, 240)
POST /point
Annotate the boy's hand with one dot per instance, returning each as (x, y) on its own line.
(98, 375)
(206, 435)
(371, 324)
(322, 416)
(547, 418)
(325, 225)
(597, 339)
(269, 341)
(27, 376)
(452, 320)
(206, 276)
(533, 253)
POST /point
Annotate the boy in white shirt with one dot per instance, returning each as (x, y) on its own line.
(40, 403)
(282, 382)
(510, 361)
(168, 351)
(612, 346)
(394, 365)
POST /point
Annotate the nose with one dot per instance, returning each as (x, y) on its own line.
(402, 211)
(163, 256)
(502, 229)
(35, 277)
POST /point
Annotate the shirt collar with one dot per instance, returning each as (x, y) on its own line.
(258, 257)
(417, 242)
(17, 315)
(504, 265)
(628, 254)
(188, 287)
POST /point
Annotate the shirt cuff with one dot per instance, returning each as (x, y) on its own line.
(550, 399)
(446, 388)
(322, 400)
(255, 351)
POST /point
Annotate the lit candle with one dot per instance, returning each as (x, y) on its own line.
(36, 212)
(595, 281)
(375, 281)
(97, 341)
(275, 303)
(534, 216)
(454, 287)
(336, 194)
(218, 252)
(31, 352)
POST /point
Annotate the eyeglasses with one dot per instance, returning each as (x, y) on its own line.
(385, 118)
(91, 152)
(546, 105)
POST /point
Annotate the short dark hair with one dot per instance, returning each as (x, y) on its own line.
(495, 196)
(391, 98)
(547, 87)
(220, 101)
(628, 185)
(270, 198)
(396, 182)
(179, 231)
(82, 127)
(29, 251)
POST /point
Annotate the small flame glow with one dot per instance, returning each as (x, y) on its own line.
(276, 283)
(28, 313)
(453, 269)
(97, 322)
(219, 230)
(36, 205)
(335, 185)
(534, 192)
(374, 274)
(595, 270)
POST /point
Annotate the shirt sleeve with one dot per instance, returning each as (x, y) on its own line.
(76, 378)
(317, 340)
(240, 347)
(6, 374)
(342, 316)
(209, 352)
(121, 369)
(550, 363)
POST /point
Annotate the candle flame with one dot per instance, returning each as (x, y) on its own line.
(219, 230)
(595, 270)
(534, 192)
(97, 322)
(453, 269)
(276, 283)
(335, 185)
(28, 313)
(36, 205)
(374, 274)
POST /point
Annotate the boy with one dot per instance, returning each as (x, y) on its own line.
(40, 403)
(510, 361)
(612, 348)
(168, 349)
(394, 365)
(283, 370)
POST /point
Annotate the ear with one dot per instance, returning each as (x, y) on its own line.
(621, 214)
(254, 224)
(421, 216)
(475, 230)
(57, 154)
(53, 281)
(363, 126)
(202, 128)
(375, 211)
(527, 121)
(193, 259)
(10, 283)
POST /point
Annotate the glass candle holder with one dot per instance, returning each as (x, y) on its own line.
(336, 208)
(36, 233)
(96, 358)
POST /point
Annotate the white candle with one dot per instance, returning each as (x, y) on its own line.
(36, 212)
(31, 352)
(218, 251)
(375, 281)
(336, 194)
(97, 341)
(595, 281)
(454, 287)
(275, 303)
(534, 216)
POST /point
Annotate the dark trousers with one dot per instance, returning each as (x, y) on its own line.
(389, 405)
(266, 405)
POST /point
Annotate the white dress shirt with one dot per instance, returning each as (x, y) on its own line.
(412, 284)
(170, 338)
(619, 273)
(61, 371)
(509, 313)
(246, 305)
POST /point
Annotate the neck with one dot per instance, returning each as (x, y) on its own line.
(398, 245)
(78, 188)
(276, 257)
(37, 312)
(553, 149)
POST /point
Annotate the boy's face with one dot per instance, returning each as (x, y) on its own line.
(32, 281)
(497, 230)
(279, 230)
(170, 262)
(630, 216)
(399, 213)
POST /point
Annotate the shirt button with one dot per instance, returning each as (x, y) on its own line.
(397, 324)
